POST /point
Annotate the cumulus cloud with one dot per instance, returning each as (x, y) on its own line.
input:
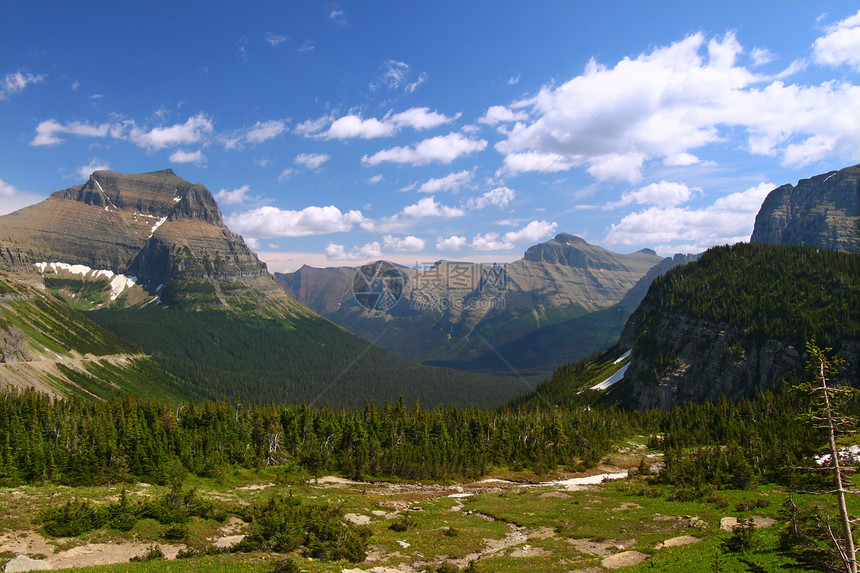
(841, 45)
(235, 196)
(182, 156)
(195, 129)
(534, 231)
(336, 252)
(265, 130)
(490, 242)
(47, 132)
(452, 243)
(662, 194)
(451, 182)
(441, 149)
(671, 102)
(429, 207)
(84, 171)
(286, 174)
(354, 126)
(311, 160)
(500, 196)
(16, 82)
(671, 229)
(531, 233)
(408, 244)
(500, 114)
(271, 222)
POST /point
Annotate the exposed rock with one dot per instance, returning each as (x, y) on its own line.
(24, 563)
(822, 211)
(444, 304)
(707, 365)
(163, 230)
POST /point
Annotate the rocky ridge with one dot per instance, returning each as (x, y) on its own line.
(452, 310)
(166, 233)
(822, 211)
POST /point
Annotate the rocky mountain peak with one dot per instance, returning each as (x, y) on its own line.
(822, 211)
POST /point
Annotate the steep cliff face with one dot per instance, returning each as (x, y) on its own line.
(823, 211)
(737, 321)
(700, 360)
(165, 232)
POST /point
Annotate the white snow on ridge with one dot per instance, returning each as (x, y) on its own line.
(157, 224)
(118, 283)
(612, 379)
(623, 356)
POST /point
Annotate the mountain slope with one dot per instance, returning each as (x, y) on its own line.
(156, 227)
(150, 256)
(738, 320)
(45, 344)
(822, 211)
(455, 313)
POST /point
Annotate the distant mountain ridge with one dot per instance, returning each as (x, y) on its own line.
(443, 318)
(822, 211)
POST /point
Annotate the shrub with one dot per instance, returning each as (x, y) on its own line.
(72, 519)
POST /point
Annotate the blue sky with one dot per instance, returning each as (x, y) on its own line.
(334, 133)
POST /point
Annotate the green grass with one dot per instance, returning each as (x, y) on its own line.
(556, 523)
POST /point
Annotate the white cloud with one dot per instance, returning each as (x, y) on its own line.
(395, 75)
(270, 222)
(375, 179)
(452, 243)
(662, 194)
(265, 130)
(12, 199)
(451, 182)
(234, 196)
(275, 39)
(671, 102)
(500, 114)
(47, 131)
(195, 129)
(182, 156)
(311, 160)
(514, 80)
(490, 242)
(429, 207)
(286, 174)
(335, 252)
(841, 45)
(761, 56)
(337, 15)
(500, 196)
(307, 46)
(681, 160)
(442, 149)
(16, 82)
(728, 220)
(354, 126)
(532, 232)
(408, 244)
(94, 165)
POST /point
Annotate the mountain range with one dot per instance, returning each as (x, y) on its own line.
(148, 257)
(178, 306)
(477, 317)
